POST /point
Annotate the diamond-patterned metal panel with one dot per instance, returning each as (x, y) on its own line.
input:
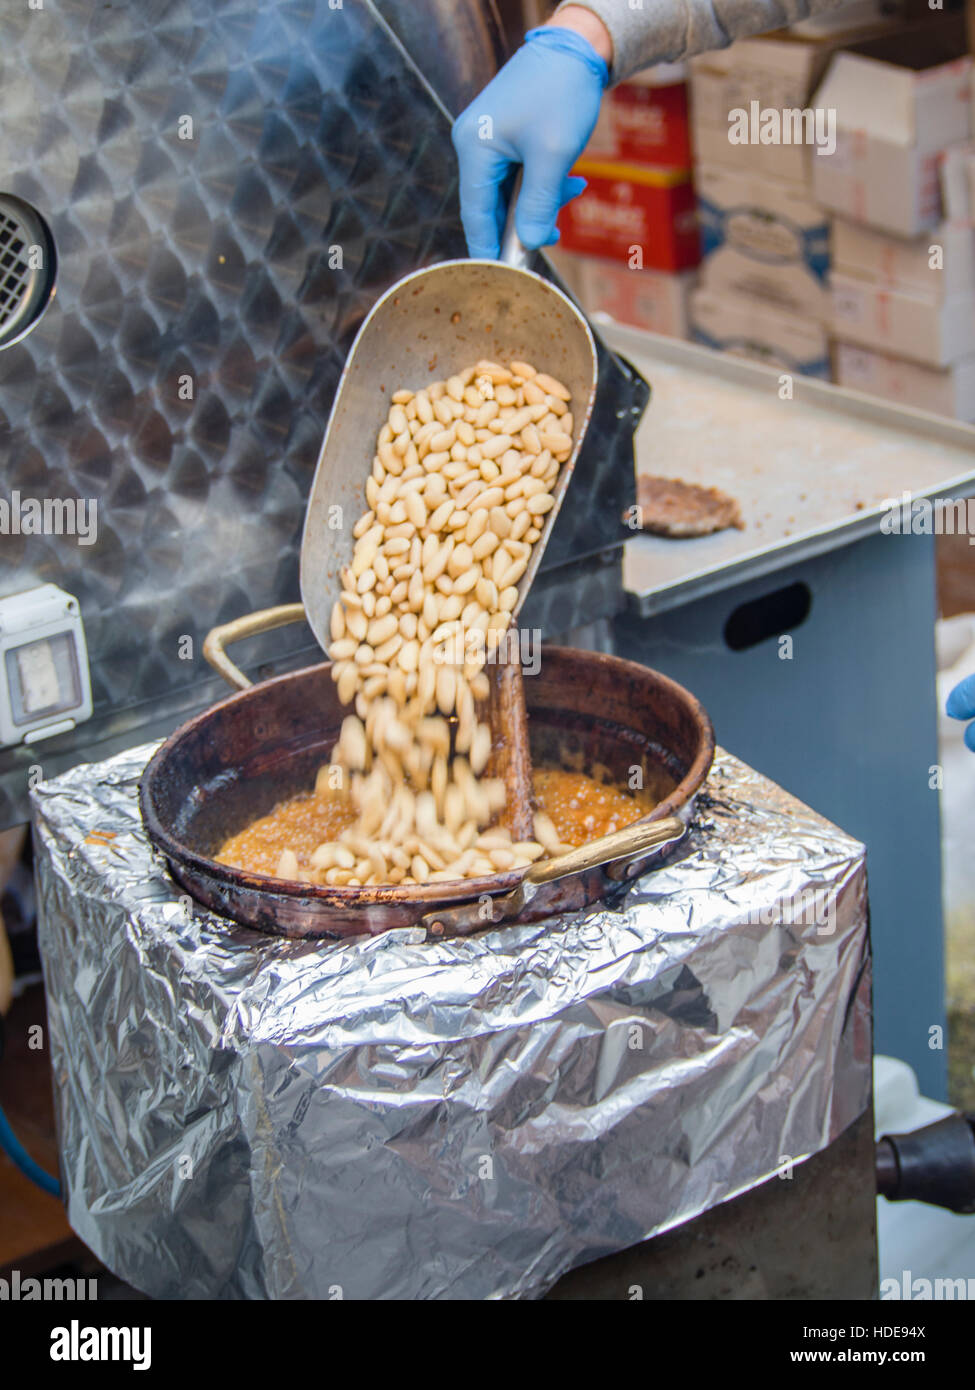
(230, 185)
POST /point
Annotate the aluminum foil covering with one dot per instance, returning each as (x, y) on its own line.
(247, 1117)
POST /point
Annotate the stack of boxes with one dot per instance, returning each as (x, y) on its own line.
(834, 169)
(958, 177)
(764, 285)
(628, 245)
(903, 284)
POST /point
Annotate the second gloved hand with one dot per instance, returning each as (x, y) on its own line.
(538, 111)
(961, 705)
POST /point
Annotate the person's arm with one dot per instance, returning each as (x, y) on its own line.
(541, 108)
(587, 23)
(663, 31)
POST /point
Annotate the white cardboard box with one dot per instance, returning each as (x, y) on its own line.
(747, 328)
(903, 325)
(657, 300)
(938, 265)
(945, 391)
(776, 70)
(763, 239)
(900, 101)
(783, 163)
(779, 72)
(958, 181)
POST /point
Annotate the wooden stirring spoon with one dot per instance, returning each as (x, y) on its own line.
(510, 752)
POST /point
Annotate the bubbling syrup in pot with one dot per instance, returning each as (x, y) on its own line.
(581, 808)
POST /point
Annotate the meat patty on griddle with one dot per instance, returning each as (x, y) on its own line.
(670, 507)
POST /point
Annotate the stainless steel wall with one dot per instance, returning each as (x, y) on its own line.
(198, 162)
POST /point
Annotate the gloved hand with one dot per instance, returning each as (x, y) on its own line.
(539, 111)
(961, 705)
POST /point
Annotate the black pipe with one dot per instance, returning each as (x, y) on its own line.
(935, 1164)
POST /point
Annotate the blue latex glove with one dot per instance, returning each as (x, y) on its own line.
(539, 111)
(961, 705)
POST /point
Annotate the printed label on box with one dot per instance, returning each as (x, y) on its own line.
(650, 124)
(764, 236)
(858, 368)
(758, 351)
(747, 328)
(646, 218)
(848, 305)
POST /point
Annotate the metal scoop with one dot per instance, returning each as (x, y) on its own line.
(429, 325)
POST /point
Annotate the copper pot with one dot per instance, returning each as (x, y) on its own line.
(235, 762)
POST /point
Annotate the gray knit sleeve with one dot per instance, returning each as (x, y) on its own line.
(645, 32)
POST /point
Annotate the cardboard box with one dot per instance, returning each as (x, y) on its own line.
(789, 164)
(777, 71)
(646, 218)
(900, 101)
(935, 332)
(938, 265)
(780, 72)
(567, 266)
(958, 181)
(651, 124)
(763, 239)
(945, 391)
(657, 300)
(746, 328)
(646, 121)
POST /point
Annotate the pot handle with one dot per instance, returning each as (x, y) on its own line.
(630, 842)
(251, 625)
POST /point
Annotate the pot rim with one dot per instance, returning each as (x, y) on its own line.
(439, 894)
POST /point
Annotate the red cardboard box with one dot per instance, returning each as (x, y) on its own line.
(645, 217)
(651, 125)
(646, 120)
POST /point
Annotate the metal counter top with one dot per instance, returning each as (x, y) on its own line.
(811, 473)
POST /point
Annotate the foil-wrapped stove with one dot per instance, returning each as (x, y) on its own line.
(249, 1117)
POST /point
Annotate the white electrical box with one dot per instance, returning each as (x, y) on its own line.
(45, 687)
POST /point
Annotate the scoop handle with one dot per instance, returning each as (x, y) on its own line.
(632, 840)
(251, 625)
(513, 251)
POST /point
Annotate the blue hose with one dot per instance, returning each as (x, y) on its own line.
(15, 1151)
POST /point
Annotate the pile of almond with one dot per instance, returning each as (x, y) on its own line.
(461, 481)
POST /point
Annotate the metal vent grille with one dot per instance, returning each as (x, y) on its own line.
(26, 268)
